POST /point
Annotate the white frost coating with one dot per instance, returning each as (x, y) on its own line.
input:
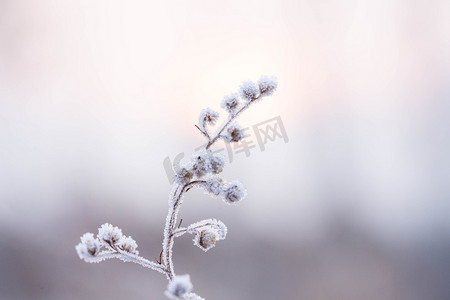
(183, 175)
(109, 234)
(89, 246)
(204, 162)
(200, 163)
(207, 117)
(267, 85)
(127, 244)
(249, 90)
(207, 233)
(213, 224)
(214, 185)
(179, 286)
(125, 257)
(234, 192)
(111, 243)
(216, 163)
(206, 239)
(231, 103)
(125, 249)
(233, 133)
(192, 296)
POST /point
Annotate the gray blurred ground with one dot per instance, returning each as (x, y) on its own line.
(345, 264)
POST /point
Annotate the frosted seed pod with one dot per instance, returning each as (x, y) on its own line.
(179, 286)
(214, 185)
(234, 133)
(208, 117)
(233, 192)
(231, 103)
(216, 163)
(127, 244)
(109, 234)
(200, 163)
(267, 85)
(183, 176)
(89, 246)
(249, 90)
(206, 239)
(209, 224)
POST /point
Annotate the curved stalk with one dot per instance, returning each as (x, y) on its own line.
(169, 230)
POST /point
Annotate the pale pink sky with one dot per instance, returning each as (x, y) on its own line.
(113, 87)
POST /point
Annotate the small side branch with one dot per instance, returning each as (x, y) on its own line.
(205, 133)
(159, 261)
(228, 122)
(127, 257)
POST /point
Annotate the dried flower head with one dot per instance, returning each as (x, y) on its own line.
(127, 244)
(233, 192)
(216, 163)
(222, 230)
(209, 224)
(89, 246)
(267, 85)
(204, 162)
(249, 90)
(208, 116)
(200, 163)
(109, 234)
(179, 286)
(231, 103)
(214, 185)
(234, 133)
(183, 176)
(206, 239)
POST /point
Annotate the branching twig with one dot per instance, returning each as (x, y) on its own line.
(203, 164)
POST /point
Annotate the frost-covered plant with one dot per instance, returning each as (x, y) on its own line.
(200, 172)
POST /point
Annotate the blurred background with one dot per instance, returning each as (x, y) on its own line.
(96, 95)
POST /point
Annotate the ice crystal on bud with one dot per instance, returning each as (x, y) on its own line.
(208, 117)
(209, 224)
(204, 162)
(234, 133)
(109, 234)
(207, 233)
(214, 185)
(216, 163)
(183, 176)
(231, 103)
(206, 239)
(179, 286)
(200, 163)
(267, 85)
(127, 244)
(83, 251)
(89, 246)
(233, 192)
(249, 90)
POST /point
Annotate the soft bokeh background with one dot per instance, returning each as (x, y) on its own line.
(94, 95)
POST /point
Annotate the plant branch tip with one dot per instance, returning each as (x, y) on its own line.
(202, 171)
